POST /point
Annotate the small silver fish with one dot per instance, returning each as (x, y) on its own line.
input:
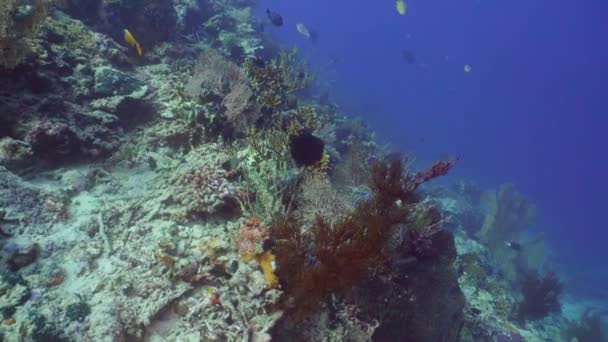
(303, 30)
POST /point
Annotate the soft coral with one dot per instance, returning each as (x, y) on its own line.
(336, 256)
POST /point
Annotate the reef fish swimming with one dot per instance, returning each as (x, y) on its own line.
(274, 17)
(303, 30)
(401, 7)
(133, 42)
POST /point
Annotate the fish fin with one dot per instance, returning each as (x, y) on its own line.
(138, 48)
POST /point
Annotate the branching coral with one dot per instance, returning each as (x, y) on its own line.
(333, 257)
(265, 166)
(273, 81)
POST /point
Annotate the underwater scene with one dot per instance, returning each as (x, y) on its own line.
(265, 170)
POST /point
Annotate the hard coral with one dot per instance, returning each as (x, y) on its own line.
(214, 190)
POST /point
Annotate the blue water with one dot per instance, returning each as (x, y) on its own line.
(533, 110)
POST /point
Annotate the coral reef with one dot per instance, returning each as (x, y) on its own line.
(165, 195)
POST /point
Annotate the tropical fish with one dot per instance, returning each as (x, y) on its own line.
(274, 17)
(303, 30)
(401, 7)
(133, 42)
(516, 246)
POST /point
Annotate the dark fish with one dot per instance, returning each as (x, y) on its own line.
(408, 56)
(274, 17)
(306, 149)
(516, 246)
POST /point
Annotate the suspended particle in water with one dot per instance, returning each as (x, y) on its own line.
(467, 68)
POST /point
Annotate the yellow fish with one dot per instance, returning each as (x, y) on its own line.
(401, 7)
(132, 41)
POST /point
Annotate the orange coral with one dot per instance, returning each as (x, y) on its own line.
(249, 241)
(251, 236)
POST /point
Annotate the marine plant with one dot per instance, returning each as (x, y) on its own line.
(331, 258)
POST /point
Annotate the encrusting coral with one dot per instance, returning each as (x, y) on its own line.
(249, 241)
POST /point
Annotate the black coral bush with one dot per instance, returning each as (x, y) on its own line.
(541, 296)
(331, 258)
